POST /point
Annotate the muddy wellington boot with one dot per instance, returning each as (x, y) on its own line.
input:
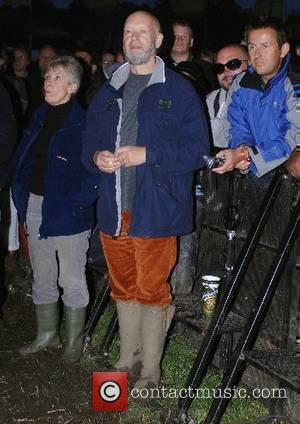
(130, 360)
(74, 328)
(47, 317)
(156, 321)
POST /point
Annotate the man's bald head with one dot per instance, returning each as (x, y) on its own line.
(227, 54)
(234, 50)
(142, 15)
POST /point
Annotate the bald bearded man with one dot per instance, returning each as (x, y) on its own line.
(146, 134)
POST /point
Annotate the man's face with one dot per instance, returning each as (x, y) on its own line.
(46, 54)
(183, 39)
(141, 38)
(20, 61)
(223, 57)
(120, 57)
(107, 59)
(265, 53)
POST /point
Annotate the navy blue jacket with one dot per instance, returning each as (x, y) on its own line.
(173, 128)
(61, 215)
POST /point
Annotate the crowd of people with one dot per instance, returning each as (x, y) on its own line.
(115, 147)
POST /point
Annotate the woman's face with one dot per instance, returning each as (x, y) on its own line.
(57, 86)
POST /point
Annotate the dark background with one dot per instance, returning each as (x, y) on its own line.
(99, 23)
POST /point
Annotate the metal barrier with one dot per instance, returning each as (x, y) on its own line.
(211, 338)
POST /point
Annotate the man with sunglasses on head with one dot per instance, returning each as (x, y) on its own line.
(230, 61)
(263, 111)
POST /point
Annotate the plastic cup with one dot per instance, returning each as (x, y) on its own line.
(210, 291)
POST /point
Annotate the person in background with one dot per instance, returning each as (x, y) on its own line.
(181, 51)
(144, 139)
(16, 83)
(230, 61)
(21, 61)
(36, 79)
(19, 77)
(192, 72)
(120, 57)
(262, 117)
(208, 56)
(86, 82)
(47, 169)
(92, 80)
(86, 54)
(107, 58)
(3, 61)
(8, 138)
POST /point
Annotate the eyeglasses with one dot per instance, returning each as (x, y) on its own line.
(232, 65)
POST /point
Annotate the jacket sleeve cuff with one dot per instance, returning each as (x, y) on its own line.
(261, 165)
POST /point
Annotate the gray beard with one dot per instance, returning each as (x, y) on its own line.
(141, 58)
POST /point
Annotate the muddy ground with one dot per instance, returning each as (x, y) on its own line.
(39, 388)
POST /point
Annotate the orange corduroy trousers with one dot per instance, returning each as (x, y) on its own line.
(139, 266)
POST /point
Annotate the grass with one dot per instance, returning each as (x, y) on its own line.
(175, 373)
(177, 362)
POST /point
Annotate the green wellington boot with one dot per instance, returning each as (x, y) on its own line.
(74, 329)
(130, 360)
(156, 321)
(47, 317)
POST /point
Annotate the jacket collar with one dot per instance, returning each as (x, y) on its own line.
(121, 75)
(75, 116)
(253, 80)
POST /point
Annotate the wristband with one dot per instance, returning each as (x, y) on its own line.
(244, 154)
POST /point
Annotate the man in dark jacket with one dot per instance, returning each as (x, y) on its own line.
(145, 135)
(8, 135)
(181, 51)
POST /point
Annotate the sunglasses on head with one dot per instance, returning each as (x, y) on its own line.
(232, 65)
